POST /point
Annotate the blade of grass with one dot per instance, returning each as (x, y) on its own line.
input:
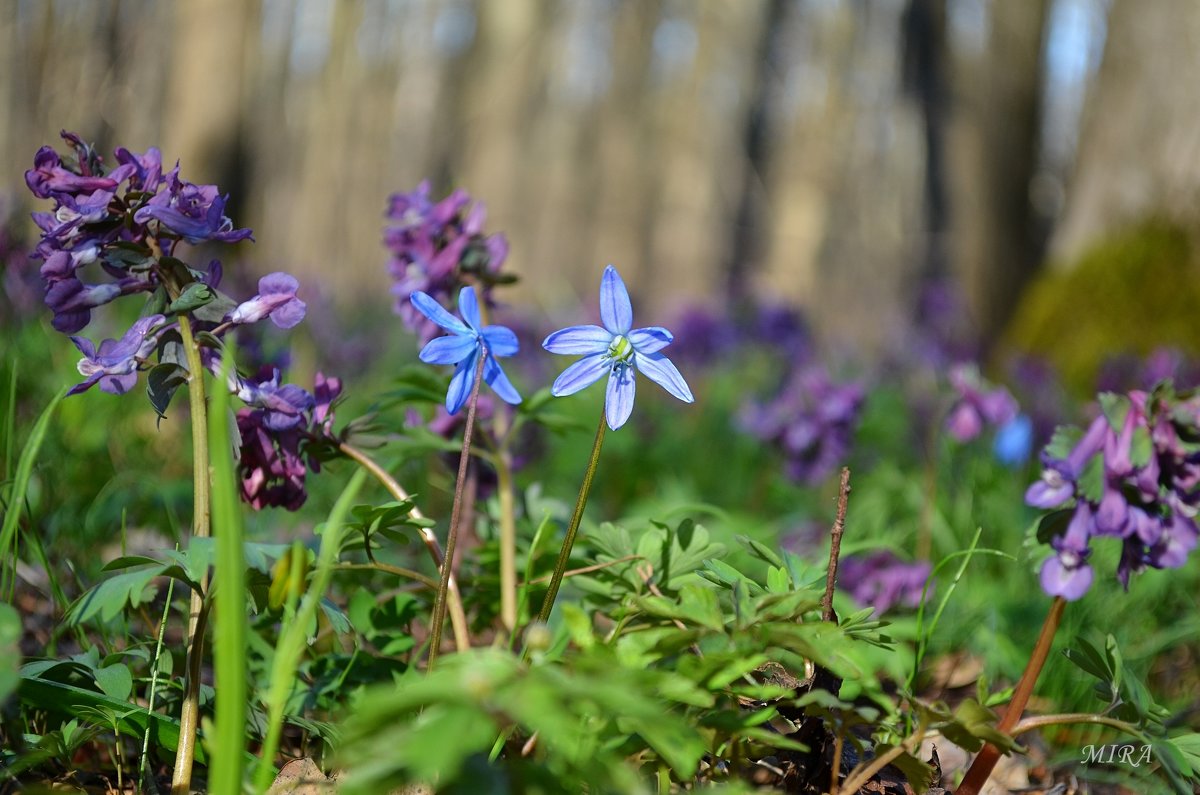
(293, 635)
(16, 497)
(229, 630)
(10, 422)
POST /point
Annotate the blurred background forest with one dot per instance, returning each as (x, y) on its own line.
(1039, 158)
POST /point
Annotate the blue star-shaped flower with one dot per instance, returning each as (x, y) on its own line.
(466, 345)
(617, 350)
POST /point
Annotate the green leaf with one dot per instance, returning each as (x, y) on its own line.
(194, 296)
(1141, 448)
(161, 383)
(215, 310)
(761, 551)
(115, 681)
(1054, 524)
(579, 626)
(108, 599)
(1091, 480)
(1116, 409)
(1063, 441)
(918, 773)
(10, 650)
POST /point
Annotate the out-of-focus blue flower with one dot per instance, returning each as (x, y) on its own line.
(276, 299)
(618, 350)
(468, 345)
(1014, 441)
(193, 212)
(114, 365)
(881, 580)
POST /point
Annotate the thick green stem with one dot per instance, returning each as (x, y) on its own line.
(439, 604)
(981, 768)
(189, 716)
(564, 554)
(458, 616)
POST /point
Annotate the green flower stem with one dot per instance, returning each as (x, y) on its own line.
(189, 716)
(981, 768)
(439, 603)
(1069, 718)
(564, 554)
(458, 616)
(508, 540)
(293, 636)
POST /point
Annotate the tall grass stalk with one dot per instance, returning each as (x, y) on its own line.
(16, 497)
(293, 636)
(229, 630)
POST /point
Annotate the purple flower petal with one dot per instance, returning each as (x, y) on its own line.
(434, 311)
(289, 314)
(580, 375)
(651, 339)
(448, 350)
(579, 340)
(1069, 583)
(660, 370)
(618, 399)
(278, 283)
(615, 310)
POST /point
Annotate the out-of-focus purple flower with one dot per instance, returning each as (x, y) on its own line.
(1130, 478)
(326, 391)
(114, 365)
(276, 299)
(617, 349)
(978, 404)
(784, 328)
(812, 420)
(1128, 371)
(883, 581)
(194, 212)
(436, 248)
(705, 336)
(72, 301)
(271, 467)
(469, 345)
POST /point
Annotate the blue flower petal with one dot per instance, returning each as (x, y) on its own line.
(498, 381)
(577, 340)
(580, 375)
(461, 383)
(434, 311)
(618, 399)
(615, 309)
(468, 307)
(658, 368)
(501, 341)
(651, 339)
(448, 350)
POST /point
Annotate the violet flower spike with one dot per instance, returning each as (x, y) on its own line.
(617, 350)
(276, 299)
(467, 345)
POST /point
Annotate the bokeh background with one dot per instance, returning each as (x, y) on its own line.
(841, 156)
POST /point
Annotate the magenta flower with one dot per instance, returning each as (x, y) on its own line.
(618, 350)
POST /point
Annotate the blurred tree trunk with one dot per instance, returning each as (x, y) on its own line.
(1139, 149)
(998, 238)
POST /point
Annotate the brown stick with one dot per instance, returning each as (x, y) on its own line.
(835, 547)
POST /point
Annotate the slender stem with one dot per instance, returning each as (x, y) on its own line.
(428, 582)
(144, 764)
(464, 459)
(458, 616)
(1041, 721)
(508, 541)
(189, 716)
(564, 555)
(855, 781)
(835, 547)
(981, 768)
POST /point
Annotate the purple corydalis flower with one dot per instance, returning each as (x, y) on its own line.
(114, 365)
(272, 470)
(276, 299)
(977, 404)
(72, 301)
(467, 346)
(283, 405)
(49, 178)
(194, 212)
(881, 580)
(618, 350)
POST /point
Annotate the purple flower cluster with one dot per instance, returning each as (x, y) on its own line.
(882, 580)
(812, 420)
(1134, 474)
(437, 248)
(979, 404)
(113, 219)
(281, 434)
